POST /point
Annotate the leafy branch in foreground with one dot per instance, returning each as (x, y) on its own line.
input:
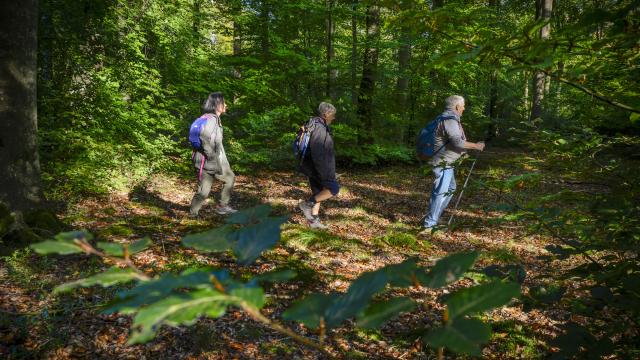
(181, 299)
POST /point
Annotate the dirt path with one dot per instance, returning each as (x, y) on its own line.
(373, 223)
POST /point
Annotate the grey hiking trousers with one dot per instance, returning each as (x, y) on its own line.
(204, 187)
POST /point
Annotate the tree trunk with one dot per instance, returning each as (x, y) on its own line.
(404, 59)
(543, 12)
(264, 32)
(19, 162)
(237, 43)
(196, 13)
(331, 72)
(492, 108)
(493, 105)
(354, 53)
(525, 98)
(558, 83)
(369, 70)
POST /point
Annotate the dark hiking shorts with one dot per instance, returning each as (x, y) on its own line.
(317, 185)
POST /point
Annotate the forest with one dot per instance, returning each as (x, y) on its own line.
(535, 257)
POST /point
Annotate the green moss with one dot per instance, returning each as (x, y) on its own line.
(22, 269)
(180, 262)
(44, 221)
(306, 238)
(116, 230)
(502, 255)
(369, 335)
(146, 221)
(6, 220)
(399, 236)
(515, 340)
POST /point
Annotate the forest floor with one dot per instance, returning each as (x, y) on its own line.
(374, 222)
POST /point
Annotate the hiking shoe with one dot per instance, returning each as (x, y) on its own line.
(426, 232)
(225, 210)
(307, 209)
(193, 216)
(316, 224)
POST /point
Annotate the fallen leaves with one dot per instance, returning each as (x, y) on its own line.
(377, 201)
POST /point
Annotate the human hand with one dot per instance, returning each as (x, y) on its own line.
(480, 145)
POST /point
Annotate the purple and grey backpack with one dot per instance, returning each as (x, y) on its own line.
(194, 133)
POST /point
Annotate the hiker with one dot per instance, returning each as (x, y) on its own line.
(319, 165)
(209, 157)
(450, 143)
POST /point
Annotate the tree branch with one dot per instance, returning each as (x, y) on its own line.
(257, 315)
(580, 87)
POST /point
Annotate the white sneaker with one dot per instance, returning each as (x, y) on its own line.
(225, 210)
(307, 209)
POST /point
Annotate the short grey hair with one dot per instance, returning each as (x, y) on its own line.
(453, 100)
(326, 108)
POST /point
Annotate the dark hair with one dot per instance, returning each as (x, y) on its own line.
(213, 101)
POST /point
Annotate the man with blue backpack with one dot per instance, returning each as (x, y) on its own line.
(442, 142)
(209, 157)
(316, 159)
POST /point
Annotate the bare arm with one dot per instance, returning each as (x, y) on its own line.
(474, 146)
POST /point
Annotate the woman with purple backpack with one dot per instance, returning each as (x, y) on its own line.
(209, 157)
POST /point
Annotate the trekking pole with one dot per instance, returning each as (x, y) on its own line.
(461, 192)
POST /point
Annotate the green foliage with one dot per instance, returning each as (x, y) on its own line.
(182, 299)
(118, 250)
(63, 243)
(448, 270)
(256, 232)
(335, 308)
(462, 336)
(481, 298)
(378, 313)
(111, 277)
(185, 308)
(120, 81)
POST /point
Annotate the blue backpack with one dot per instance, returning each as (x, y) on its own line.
(426, 143)
(194, 133)
(301, 142)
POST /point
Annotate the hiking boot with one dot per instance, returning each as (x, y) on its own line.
(307, 209)
(427, 232)
(225, 209)
(316, 224)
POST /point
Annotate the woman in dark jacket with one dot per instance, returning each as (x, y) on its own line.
(319, 165)
(211, 162)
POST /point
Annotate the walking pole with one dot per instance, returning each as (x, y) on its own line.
(461, 192)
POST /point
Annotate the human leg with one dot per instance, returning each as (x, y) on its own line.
(229, 180)
(449, 194)
(204, 187)
(311, 207)
(320, 191)
(440, 196)
(320, 197)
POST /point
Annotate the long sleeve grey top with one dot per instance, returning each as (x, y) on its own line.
(450, 140)
(215, 158)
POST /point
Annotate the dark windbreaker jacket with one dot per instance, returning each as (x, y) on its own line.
(320, 160)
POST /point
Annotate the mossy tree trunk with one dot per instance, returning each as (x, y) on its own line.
(19, 162)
